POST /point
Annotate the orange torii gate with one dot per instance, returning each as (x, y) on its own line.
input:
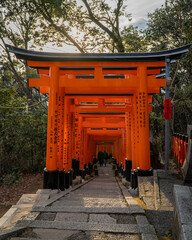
(106, 109)
(103, 123)
(68, 76)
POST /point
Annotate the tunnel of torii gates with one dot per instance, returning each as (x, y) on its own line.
(97, 101)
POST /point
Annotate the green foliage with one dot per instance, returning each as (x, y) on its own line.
(170, 234)
(133, 39)
(169, 27)
(18, 21)
(12, 178)
(23, 111)
(157, 126)
(23, 133)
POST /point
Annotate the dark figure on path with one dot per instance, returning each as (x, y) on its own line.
(100, 157)
(94, 160)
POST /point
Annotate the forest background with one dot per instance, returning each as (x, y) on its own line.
(92, 26)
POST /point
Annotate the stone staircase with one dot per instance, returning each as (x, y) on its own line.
(101, 209)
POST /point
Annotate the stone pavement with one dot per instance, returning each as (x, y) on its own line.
(101, 209)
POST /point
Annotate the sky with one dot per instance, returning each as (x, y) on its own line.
(139, 10)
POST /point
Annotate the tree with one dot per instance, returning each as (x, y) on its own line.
(18, 24)
(23, 116)
(169, 27)
(90, 26)
(23, 133)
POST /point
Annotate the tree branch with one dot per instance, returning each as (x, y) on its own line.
(12, 68)
(62, 30)
(119, 5)
(96, 21)
(112, 34)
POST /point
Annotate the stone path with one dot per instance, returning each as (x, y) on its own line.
(100, 209)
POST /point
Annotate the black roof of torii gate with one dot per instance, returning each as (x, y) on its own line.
(114, 57)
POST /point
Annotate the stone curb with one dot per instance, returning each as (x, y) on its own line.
(133, 204)
(146, 191)
(141, 219)
(7, 215)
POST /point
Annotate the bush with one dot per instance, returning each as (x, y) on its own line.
(23, 135)
(12, 178)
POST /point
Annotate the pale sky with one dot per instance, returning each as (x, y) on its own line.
(139, 10)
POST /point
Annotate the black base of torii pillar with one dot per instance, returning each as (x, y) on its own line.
(51, 179)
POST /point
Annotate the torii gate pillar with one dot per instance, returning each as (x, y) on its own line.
(51, 171)
(142, 114)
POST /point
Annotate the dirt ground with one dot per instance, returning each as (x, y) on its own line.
(9, 195)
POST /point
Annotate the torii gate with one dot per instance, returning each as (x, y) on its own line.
(132, 75)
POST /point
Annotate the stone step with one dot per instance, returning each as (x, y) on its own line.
(114, 194)
(117, 200)
(81, 201)
(74, 209)
(89, 200)
(148, 236)
(92, 196)
(105, 181)
(87, 217)
(82, 226)
(44, 234)
(101, 192)
(101, 185)
(20, 238)
(89, 204)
